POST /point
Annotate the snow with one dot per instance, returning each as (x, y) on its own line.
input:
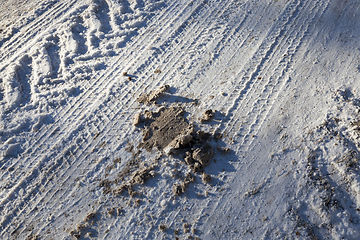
(280, 78)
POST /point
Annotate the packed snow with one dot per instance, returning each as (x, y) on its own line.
(160, 119)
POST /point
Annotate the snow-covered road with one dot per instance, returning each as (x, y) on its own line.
(159, 119)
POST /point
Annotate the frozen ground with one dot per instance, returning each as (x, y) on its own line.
(101, 99)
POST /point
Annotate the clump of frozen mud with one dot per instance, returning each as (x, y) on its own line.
(207, 116)
(137, 177)
(148, 98)
(166, 130)
(181, 187)
(165, 127)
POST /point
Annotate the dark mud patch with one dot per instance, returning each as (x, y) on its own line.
(164, 127)
(169, 132)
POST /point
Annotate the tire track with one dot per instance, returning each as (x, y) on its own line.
(299, 39)
(270, 60)
(47, 133)
(260, 58)
(284, 65)
(296, 42)
(70, 174)
(12, 48)
(3, 202)
(235, 52)
(12, 17)
(169, 75)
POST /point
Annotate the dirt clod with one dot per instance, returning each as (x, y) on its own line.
(90, 216)
(146, 133)
(162, 228)
(167, 125)
(196, 167)
(203, 155)
(137, 202)
(206, 178)
(137, 119)
(120, 211)
(148, 98)
(81, 226)
(189, 178)
(207, 116)
(188, 158)
(111, 211)
(106, 184)
(32, 237)
(141, 175)
(180, 188)
(137, 177)
(181, 140)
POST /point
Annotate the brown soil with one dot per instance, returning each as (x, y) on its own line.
(165, 127)
(207, 116)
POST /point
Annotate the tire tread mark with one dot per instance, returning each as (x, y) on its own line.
(216, 205)
(25, 35)
(28, 176)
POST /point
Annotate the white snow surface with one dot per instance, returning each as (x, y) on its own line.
(282, 75)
